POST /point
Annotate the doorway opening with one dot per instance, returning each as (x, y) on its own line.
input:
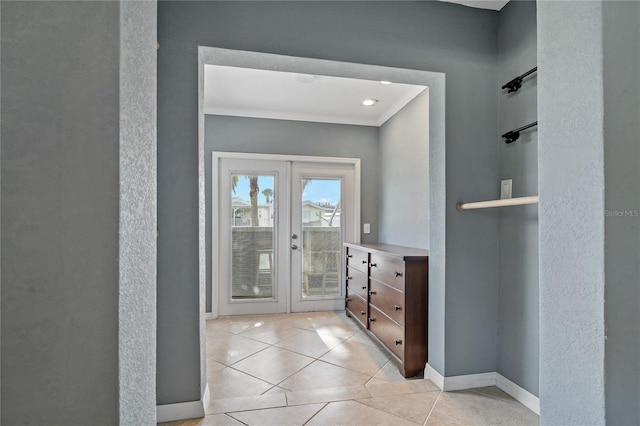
(435, 164)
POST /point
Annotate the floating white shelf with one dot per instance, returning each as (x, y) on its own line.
(534, 199)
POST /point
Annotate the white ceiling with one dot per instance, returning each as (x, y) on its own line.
(255, 93)
(481, 4)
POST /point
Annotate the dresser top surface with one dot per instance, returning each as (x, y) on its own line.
(401, 252)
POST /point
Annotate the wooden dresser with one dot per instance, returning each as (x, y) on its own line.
(387, 290)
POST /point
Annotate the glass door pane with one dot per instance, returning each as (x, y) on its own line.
(322, 218)
(321, 237)
(252, 237)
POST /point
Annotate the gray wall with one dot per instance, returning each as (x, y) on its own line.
(241, 134)
(403, 200)
(622, 205)
(60, 213)
(78, 120)
(518, 328)
(571, 185)
(432, 36)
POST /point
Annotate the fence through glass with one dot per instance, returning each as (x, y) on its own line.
(252, 237)
(321, 237)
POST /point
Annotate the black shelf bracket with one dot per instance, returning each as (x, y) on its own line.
(513, 135)
(515, 84)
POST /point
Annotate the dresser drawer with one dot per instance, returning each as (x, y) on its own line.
(388, 270)
(388, 299)
(358, 308)
(389, 333)
(357, 282)
(358, 259)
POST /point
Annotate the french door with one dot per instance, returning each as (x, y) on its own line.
(279, 224)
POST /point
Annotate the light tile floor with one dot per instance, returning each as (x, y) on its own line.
(319, 368)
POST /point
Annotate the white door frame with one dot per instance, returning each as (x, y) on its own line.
(215, 223)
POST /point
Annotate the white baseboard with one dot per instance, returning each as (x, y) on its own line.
(520, 394)
(206, 398)
(183, 410)
(431, 374)
(471, 381)
(209, 316)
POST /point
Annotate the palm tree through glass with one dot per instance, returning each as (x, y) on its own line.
(252, 237)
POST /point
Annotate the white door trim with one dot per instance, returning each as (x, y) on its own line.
(217, 156)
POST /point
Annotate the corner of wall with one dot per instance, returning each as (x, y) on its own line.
(184, 410)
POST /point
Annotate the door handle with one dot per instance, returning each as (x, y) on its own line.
(294, 247)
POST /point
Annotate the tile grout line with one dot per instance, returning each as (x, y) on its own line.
(316, 413)
(432, 408)
(301, 354)
(235, 420)
(242, 359)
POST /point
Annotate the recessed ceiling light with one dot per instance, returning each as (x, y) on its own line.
(385, 82)
(369, 102)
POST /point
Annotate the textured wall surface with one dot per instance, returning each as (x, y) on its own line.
(518, 328)
(60, 191)
(622, 210)
(571, 184)
(138, 213)
(240, 134)
(430, 36)
(403, 194)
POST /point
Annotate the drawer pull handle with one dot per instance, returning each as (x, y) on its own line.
(348, 299)
(372, 319)
(364, 287)
(349, 278)
(371, 293)
(396, 307)
(364, 261)
(363, 313)
(349, 256)
(397, 274)
(373, 265)
(397, 342)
